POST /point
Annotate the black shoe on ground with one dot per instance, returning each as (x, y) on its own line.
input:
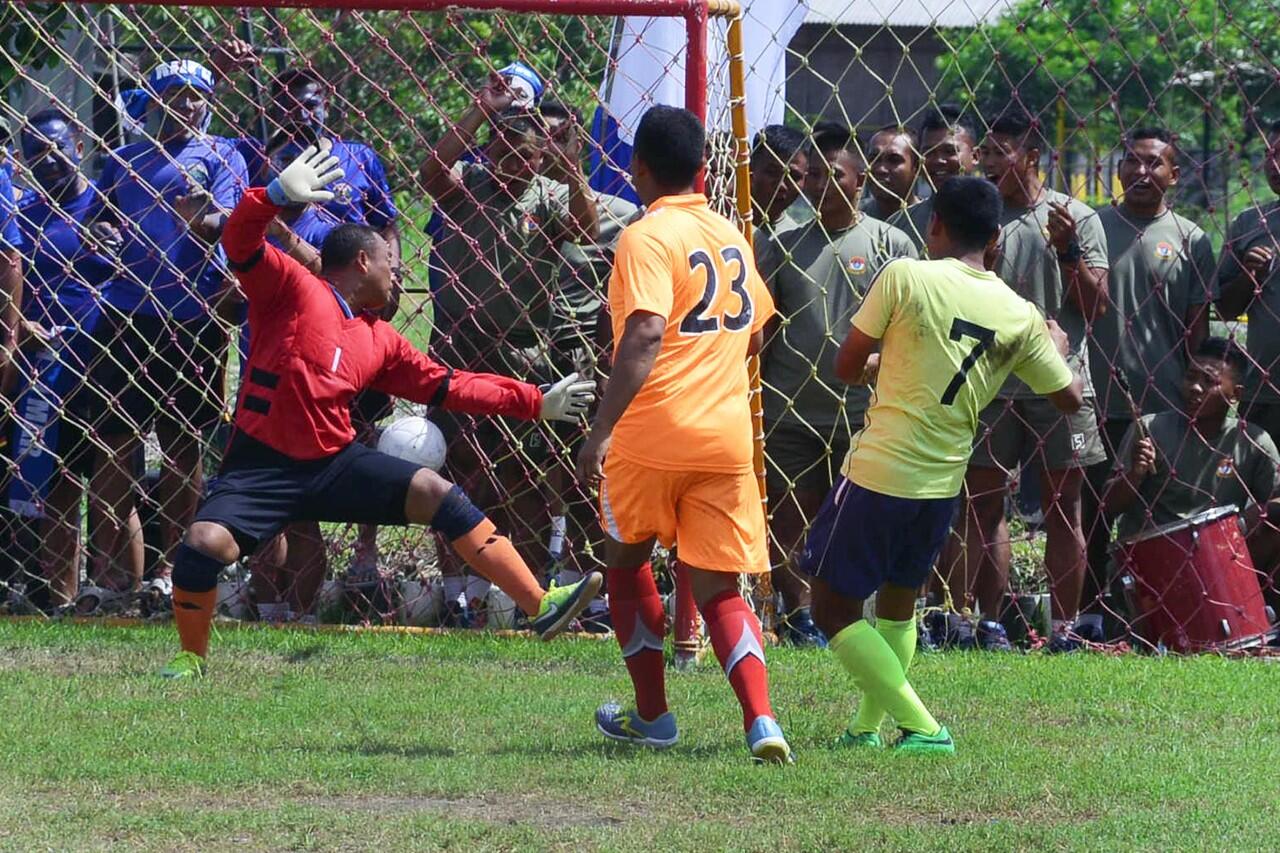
(1064, 644)
(798, 629)
(1089, 633)
(992, 637)
(935, 626)
(960, 633)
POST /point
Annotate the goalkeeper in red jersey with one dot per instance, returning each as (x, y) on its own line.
(316, 342)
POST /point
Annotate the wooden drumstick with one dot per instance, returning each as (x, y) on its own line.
(1134, 411)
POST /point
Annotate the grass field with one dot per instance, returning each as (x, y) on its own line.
(326, 742)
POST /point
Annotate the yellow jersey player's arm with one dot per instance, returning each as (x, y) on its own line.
(642, 286)
(869, 325)
(1042, 364)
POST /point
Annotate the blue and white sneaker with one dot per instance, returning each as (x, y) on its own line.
(624, 724)
(767, 744)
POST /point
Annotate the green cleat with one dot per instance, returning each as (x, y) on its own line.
(915, 742)
(562, 604)
(185, 665)
(848, 740)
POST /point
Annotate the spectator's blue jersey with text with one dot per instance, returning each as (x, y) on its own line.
(363, 196)
(167, 270)
(9, 235)
(64, 279)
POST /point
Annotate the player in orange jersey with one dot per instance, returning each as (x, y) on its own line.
(671, 445)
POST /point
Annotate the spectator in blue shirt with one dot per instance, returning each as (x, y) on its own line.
(169, 197)
(71, 268)
(300, 113)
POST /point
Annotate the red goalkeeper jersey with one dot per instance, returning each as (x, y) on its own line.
(309, 357)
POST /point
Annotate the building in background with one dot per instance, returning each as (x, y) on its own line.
(869, 63)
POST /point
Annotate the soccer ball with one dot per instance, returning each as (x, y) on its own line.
(502, 609)
(233, 598)
(331, 603)
(414, 439)
(421, 603)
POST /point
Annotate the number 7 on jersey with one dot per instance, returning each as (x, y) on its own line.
(985, 337)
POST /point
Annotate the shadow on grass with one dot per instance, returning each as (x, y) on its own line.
(617, 751)
(304, 654)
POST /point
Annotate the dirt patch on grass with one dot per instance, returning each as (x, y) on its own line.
(62, 662)
(506, 810)
(529, 810)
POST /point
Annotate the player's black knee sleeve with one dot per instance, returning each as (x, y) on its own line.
(195, 571)
(457, 515)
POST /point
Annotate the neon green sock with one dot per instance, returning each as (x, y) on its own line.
(875, 667)
(901, 637)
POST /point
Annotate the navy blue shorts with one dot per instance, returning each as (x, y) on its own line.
(259, 491)
(861, 539)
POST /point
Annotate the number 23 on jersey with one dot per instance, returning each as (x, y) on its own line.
(701, 319)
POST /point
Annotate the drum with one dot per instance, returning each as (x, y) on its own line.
(1192, 586)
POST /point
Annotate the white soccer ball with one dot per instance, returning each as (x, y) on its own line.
(233, 599)
(502, 610)
(414, 439)
(331, 603)
(421, 603)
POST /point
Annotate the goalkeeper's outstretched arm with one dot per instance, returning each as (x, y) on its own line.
(259, 266)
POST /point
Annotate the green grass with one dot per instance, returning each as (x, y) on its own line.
(307, 741)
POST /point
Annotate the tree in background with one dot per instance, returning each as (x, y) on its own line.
(1092, 68)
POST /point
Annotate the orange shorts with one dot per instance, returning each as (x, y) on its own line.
(716, 520)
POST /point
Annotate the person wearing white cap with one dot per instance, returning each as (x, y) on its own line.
(169, 195)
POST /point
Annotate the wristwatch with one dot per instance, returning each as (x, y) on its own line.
(1072, 254)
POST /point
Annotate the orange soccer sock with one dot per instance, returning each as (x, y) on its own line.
(193, 613)
(494, 558)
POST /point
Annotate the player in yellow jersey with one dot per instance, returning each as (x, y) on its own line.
(671, 444)
(949, 333)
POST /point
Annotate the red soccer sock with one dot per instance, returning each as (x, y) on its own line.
(735, 636)
(640, 623)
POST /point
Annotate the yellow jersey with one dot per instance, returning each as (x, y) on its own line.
(950, 335)
(691, 266)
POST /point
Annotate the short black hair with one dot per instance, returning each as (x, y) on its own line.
(1151, 132)
(343, 243)
(296, 76)
(831, 137)
(777, 140)
(556, 108)
(948, 117)
(1226, 351)
(671, 142)
(970, 208)
(1014, 120)
(1274, 127)
(899, 130)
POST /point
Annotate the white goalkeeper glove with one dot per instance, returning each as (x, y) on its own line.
(568, 399)
(304, 180)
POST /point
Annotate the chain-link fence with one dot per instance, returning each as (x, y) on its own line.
(1131, 144)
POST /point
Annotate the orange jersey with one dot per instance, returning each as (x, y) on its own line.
(691, 266)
